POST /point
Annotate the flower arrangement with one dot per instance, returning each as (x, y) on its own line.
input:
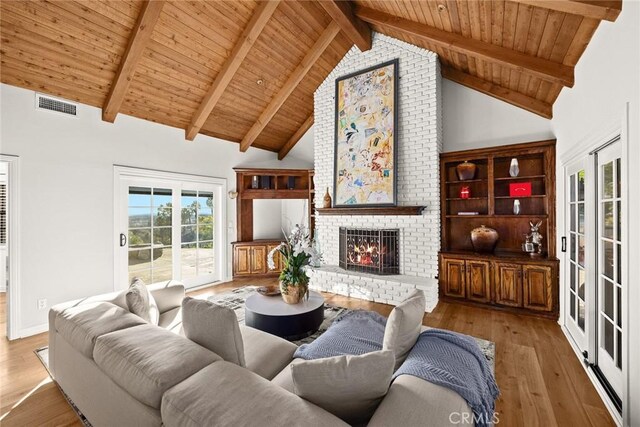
(298, 254)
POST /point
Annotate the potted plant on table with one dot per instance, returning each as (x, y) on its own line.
(298, 254)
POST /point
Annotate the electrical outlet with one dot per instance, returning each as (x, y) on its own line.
(42, 304)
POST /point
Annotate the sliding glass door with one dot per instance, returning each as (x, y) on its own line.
(169, 228)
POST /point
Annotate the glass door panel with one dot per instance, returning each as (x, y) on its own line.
(150, 254)
(610, 223)
(197, 234)
(576, 300)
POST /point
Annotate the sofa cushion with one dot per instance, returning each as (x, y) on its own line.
(224, 394)
(403, 326)
(213, 327)
(82, 324)
(147, 360)
(284, 378)
(141, 302)
(172, 321)
(411, 401)
(350, 387)
(265, 354)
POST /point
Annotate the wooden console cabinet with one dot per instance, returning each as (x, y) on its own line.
(508, 278)
(250, 258)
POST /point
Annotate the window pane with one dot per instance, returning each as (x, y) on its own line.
(607, 180)
(581, 314)
(581, 250)
(618, 178)
(139, 196)
(572, 247)
(572, 220)
(188, 234)
(581, 186)
(145, 275)
(162, 197)
(581, 218)
(619, 349)
(162, 236)
(572, 188)
(607, 220)
(619, 262)
(188, 215)
(139, 217)
(189, 198)
(162, 217)
(140, 237)
(607, 259)
(205, 232)
(619, 221)
(608, 336)
(573, 305)
(581, 282)
(189, 261)
(572, 281)
(607, 292)
(619, 302)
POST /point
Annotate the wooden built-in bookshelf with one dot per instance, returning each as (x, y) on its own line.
(507, 278)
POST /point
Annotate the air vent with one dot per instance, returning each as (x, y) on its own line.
(48, 103)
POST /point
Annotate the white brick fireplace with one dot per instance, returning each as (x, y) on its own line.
(419, 142)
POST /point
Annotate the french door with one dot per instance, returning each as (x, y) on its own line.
(609, 265)
(595, 294)
(169, 227)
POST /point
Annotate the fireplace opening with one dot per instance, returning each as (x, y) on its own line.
(369, 251)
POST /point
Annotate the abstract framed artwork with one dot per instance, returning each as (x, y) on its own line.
(366, 123)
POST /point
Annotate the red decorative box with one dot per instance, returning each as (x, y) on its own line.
(520, 189)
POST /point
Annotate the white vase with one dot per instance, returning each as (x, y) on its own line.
(514, 169)
(516, 207)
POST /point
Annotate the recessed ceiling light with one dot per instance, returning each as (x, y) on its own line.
(259, 82)
(442, 8)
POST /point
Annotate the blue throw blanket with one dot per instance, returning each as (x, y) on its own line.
(455, 361)
(355, 332)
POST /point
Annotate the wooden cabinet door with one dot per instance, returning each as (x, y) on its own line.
(454, 277)
(277, 259)
(508, 284)
(478, 280)
(537, 287)
(258, 259)
(242, 260)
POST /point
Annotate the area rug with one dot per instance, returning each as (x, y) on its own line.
(235, 300)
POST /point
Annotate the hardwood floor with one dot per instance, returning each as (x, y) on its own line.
(541, 380)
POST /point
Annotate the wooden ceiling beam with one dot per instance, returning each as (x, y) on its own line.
(289, 86)
(140, 36)
(248, 37)
(353, 27)
(539, 67)
(295, 137)
(607, 10)
(504, 94)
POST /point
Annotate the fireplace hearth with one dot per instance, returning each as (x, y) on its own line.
(369, 250)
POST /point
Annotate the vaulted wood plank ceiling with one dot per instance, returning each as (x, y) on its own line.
(245, 71)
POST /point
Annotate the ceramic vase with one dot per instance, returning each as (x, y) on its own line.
(292, 294)
(484, 239)
(516, 207)
(326, 203)
(466, 171)
(514, 169)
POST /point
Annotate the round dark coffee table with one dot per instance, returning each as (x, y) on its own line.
(289, 321)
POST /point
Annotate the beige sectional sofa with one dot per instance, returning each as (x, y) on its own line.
(120, 370)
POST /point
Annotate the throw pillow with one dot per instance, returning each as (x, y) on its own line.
(141, 302)
(350, 387)
(213, 327)
(403, 326)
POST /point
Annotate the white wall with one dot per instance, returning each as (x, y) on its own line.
(267, 219)
(67, 231)
(608, 77)
(472, 119)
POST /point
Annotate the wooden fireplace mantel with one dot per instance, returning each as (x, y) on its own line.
(388, 210)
